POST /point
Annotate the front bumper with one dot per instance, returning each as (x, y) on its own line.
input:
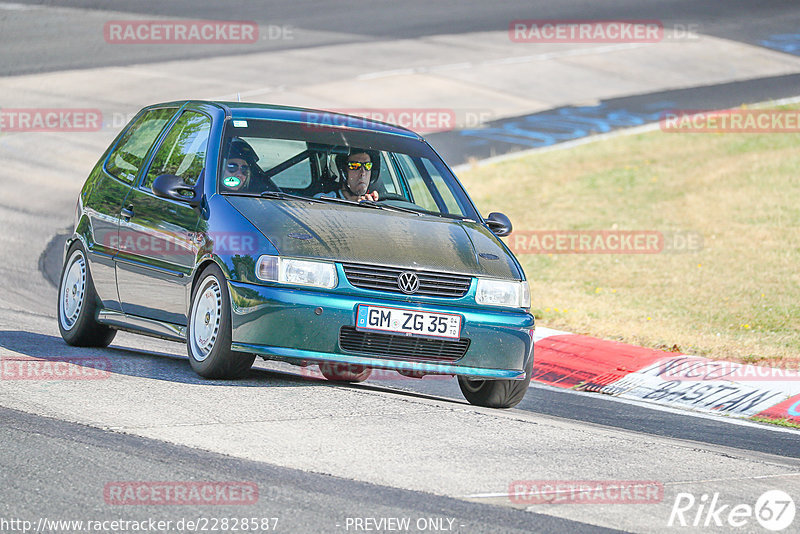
(303, 325)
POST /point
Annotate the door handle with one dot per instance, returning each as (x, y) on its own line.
(127, 213)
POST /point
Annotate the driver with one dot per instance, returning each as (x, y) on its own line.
(238, 167)
(355, 169)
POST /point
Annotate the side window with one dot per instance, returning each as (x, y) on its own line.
(183, 151)
(441, 186)
(421, 196)
(126, 159)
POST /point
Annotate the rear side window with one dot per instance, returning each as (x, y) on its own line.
(272, 152)
(183, 151)
(126, 159)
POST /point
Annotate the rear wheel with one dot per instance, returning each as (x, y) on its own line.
(344, 372)
(496, 393)
(78, 304)
(209, 333)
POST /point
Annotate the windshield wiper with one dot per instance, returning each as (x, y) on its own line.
(388, 207)
(286, 196)
(368, 204)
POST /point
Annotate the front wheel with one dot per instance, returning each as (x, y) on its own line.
(78, 304)
(496, 393)
(209, 333)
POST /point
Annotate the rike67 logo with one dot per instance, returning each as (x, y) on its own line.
(774, 510)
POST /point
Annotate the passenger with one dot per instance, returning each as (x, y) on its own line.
(355, 171)
(238, 167)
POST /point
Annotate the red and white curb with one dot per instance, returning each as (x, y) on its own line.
(572, 361)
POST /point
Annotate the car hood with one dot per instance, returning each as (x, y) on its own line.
(354, 234)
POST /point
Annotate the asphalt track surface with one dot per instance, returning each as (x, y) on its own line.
(28, 44)
(301, 502)
(58, 470)
(55, 468)
(27, 47)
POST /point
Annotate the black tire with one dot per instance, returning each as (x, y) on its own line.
(344, 372)
(78, 303)
(496, 393)
(208, 335)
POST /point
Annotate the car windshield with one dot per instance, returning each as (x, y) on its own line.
(312, 161)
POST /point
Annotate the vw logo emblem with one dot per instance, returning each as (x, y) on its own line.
(408, 282)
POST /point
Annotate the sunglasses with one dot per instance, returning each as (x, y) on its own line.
(235, 167)
(356, 165)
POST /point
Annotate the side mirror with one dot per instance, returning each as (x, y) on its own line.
(174, 188)
(499, 224)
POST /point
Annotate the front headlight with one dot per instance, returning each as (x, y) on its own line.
(296, 272)
(503, 293)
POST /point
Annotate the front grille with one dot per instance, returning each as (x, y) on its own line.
(401, 347)
(431, 284)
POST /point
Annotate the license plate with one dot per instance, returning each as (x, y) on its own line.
(409, 322)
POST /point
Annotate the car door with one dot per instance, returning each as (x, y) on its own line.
(157, 248)
(113, 183)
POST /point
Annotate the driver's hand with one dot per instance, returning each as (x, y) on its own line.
(373, 196)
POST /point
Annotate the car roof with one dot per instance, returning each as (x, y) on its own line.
(248, 110)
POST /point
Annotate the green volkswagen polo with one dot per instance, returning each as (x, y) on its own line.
(314, 238)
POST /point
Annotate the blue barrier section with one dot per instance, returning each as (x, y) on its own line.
(559, 125)
(566, 124)
(783, 42)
